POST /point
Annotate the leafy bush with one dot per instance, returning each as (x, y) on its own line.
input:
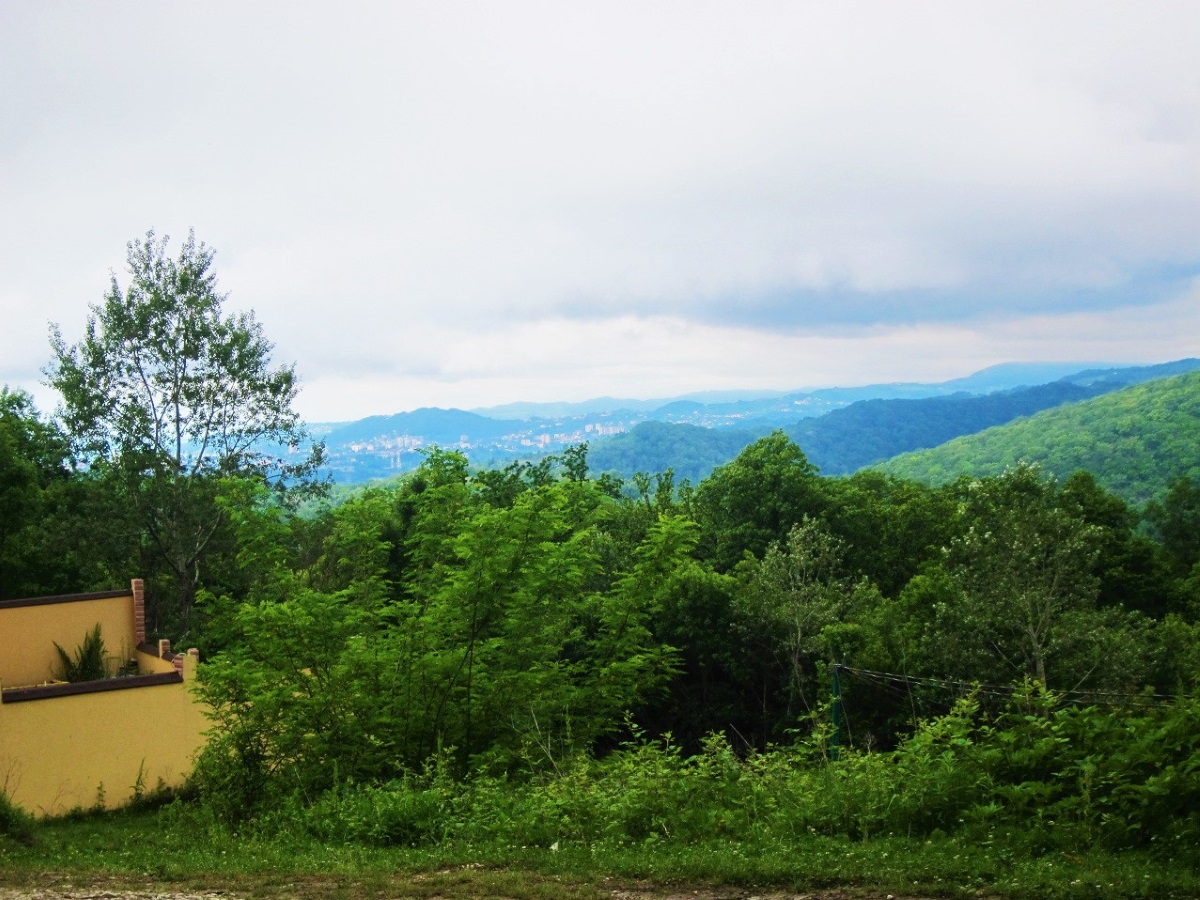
(399, 813)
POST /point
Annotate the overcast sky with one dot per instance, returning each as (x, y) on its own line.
(464, 204)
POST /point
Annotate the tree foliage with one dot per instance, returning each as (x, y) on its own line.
(1024, 565)
(167, 393)
(33, 456)
(753, 501)
(59, 533)
(1176, 521)
(498, 630)
(790, 602)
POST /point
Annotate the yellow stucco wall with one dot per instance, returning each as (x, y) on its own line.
(84, 749)
(58, 753)
(28, 634)
(149, 664)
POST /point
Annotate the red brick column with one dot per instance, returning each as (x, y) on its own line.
(138, 589)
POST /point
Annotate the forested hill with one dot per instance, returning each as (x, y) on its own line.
(1134, 441)
(837, 443)
(691, 451)
(440, 426)
(845, 440)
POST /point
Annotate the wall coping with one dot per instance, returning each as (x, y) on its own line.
(45, 692)
(63, 598)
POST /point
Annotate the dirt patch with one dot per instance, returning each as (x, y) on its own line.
(711, 893)
(53, 893)
(639, 893)
(447, 885)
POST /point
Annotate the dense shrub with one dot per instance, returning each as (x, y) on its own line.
(1066, 778)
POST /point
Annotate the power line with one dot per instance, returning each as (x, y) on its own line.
(904, 685)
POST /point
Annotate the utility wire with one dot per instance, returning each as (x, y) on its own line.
(903, 685)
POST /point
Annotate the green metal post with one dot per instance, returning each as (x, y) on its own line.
(835, 740)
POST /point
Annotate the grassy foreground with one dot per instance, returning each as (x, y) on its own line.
(174, 847)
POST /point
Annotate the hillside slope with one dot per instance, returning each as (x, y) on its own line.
(691, 451)
(870, 431)
(1135, 441)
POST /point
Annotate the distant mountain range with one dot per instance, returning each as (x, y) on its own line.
(841, 429)
(994, 378)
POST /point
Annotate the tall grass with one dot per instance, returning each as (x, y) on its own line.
(1038, 800)
(1050, 779)
(15, 823)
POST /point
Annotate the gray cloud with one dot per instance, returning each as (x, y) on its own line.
(380, 178)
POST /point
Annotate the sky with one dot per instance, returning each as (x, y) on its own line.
(467, 204)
